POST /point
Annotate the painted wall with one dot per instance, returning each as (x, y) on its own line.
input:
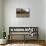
(36, 18)
(39, 18)
(0, 18)
(45, 19)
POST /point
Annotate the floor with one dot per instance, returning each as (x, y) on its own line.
(25, 43)
(21, 45)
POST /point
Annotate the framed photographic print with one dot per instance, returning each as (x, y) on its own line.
(20, 12)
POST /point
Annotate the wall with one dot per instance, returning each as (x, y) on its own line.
(45, 19)
(39, 18)
(36, 15)
(0, 18)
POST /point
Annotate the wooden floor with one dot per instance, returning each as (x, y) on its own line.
(22, 42)
(21, 45)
